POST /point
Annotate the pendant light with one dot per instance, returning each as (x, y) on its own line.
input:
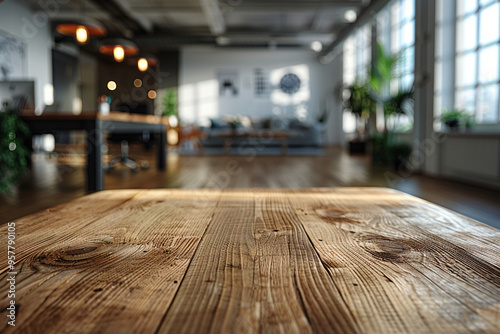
(142, 64)
(119, 48)
(143, 61)
(82, 29)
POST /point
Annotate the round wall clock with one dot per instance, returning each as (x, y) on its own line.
(290, 83)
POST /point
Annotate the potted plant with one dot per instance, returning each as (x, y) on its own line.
(399, 103)
(385, 148)
(379, 148)
(14, 154)
(399, 154)
(452, 118)
(358, 100)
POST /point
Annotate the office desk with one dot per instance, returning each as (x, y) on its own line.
(95, 125)
(346, 260)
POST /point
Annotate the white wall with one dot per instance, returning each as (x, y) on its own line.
(199, 97)
(32, 28)
(471, 157)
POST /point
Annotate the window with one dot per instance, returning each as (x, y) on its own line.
(357, 59)
(476, 59)
(403, 42)
(363, 51)
(439, 65)
(396, 33)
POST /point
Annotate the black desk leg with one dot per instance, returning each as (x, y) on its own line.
(94, 156)
(162, 149)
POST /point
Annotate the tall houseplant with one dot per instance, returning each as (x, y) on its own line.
(385, 149)
(13, 151)
(360, 103)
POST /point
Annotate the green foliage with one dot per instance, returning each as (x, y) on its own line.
(400, 150)
(382, 69)
(380, 152)
(360, 101)
(453, 118)
(400, 154)
(387, 149)
(400, 103)
(13, 152)
(170, 104)
(451, 115)
(468, 120)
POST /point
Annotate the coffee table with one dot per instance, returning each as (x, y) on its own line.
(325, 260)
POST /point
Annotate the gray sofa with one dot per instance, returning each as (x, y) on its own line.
(302, 134)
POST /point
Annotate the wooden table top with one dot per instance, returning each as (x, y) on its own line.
(343, 260)
(112, 116)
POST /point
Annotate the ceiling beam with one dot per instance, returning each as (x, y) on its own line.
(213, 15)
(159, 40)
(290, 5)
(364, 17)
(119, 14)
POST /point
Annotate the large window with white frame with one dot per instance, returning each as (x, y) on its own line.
(402, 42)
(477, 59)
(468, 78)
(356, 59)
(363, 51)
(396, 34)
(439, 62)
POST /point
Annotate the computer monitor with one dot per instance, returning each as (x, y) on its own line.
(18, 95)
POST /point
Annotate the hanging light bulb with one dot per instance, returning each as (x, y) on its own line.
(119, 48)
(82, 34)
(81, 30)
(118, 53)
(143, 61)
(142, 64)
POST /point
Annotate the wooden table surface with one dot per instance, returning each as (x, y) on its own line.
(112, 116)
(343, 260)
(95, 126)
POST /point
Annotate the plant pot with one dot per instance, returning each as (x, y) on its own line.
(357, 147)
(453, 125)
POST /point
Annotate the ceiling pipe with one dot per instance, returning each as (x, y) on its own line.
(213, 15)
(366, 14)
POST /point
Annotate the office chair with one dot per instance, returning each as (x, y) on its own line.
(125, 138)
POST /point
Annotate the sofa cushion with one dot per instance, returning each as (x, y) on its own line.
(297, 124)
(216, 123)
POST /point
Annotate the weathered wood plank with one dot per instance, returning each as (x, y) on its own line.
(346, 260)
(115, 274)
(256, 271)
(399, 274)
(36, 231)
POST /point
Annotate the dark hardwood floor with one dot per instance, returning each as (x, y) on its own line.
(55, 180)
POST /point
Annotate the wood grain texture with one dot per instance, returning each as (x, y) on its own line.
(56, 181)
(88, 116)
(106, 267)
(319, 260)
(404, 265)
